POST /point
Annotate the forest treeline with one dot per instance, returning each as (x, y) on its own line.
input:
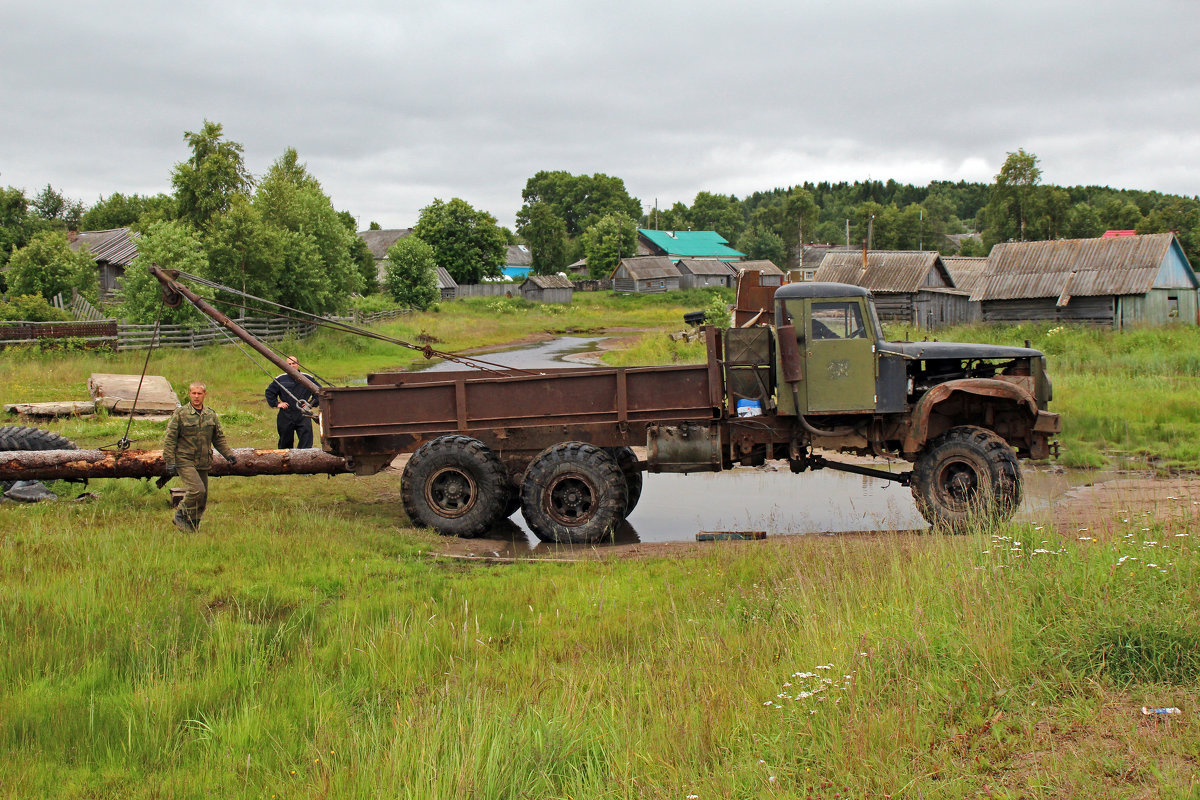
(280, 238)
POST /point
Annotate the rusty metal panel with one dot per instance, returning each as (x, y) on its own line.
(480, 403)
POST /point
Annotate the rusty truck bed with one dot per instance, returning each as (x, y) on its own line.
(510, 411)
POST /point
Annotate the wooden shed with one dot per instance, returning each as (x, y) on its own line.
(771, 274)
(1117, 282)
(910, 286)
(548, 289)
(113, 250)
(645, 275)
(696, 273)
(447, 286)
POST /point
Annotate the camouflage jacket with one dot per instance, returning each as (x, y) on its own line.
(191, 437)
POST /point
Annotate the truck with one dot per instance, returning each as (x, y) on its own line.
(813, 378)
(821, 379)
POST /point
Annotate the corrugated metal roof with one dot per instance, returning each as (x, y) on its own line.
(765, 266)
(704, 266)
(690, 244)
(444, 280)
(1073, 267)
(886, 270)
(116, 246)
(378, 242)
(644, 267)
(549, 282)
(967, 271)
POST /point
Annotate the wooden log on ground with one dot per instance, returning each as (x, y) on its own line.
(40, 465)
(68, 408)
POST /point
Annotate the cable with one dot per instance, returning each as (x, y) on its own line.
(428, 351)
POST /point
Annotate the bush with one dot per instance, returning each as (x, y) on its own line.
(31, 308)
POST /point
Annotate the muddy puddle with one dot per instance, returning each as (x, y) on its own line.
(563, 351)
(674, 508)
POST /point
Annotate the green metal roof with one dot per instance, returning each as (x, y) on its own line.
(691, 244)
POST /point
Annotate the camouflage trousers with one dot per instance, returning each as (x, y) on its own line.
(195, 497)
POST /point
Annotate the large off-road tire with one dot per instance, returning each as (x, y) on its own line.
(455, 485)
(19, 437)
(628, 462)
(574, 493)
(967, 476)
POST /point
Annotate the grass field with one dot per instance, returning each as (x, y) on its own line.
(309, 644)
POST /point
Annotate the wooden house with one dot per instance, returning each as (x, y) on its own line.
(771, 275)
(687, 244)
(548, 289)
(113, 251)
(696, 273)
(645, 275)
(1118, 282)
(910, 286)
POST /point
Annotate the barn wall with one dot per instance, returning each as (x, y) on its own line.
(940, 310)
(1158, 307)
(1087, 310)
(894, 307)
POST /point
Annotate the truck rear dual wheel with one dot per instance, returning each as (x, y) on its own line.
(574, 493)
(631, 469)
(967, 476)
(455, 485)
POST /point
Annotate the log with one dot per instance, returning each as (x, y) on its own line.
(68, 408)
(28, 465)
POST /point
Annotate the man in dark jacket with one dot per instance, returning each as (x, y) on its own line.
(292, 398)
(192, 434)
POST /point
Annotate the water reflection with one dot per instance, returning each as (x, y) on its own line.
(556, 352)
(674, 508)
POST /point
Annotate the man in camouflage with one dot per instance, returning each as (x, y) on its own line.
(192, 434)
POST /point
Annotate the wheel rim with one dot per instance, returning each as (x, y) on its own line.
(958, 484)
(451, 492)
(570, 500)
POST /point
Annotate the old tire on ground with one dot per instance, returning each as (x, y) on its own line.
(967, 475)
(574, 493)
(455, 485)
(19, 437)
(628, 462)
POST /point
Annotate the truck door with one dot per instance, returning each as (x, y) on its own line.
(840, 356)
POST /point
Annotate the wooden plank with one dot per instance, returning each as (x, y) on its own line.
(116, 392)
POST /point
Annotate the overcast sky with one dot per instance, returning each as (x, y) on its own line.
(394, 103)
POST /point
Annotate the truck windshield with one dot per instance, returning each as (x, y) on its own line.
(837, 320)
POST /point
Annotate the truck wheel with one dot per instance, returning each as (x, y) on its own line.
(628, 462)
(455, 485)
(574, 493)
(967, 474)
(19, 437)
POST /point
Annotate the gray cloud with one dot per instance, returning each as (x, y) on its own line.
(393, 104)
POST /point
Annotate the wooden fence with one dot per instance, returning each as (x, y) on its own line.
(127, 336)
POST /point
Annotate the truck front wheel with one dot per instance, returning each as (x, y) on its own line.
(574, 493)
(455, 485)
(967, 474)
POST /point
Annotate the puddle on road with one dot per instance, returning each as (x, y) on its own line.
(543, 355)
(674, 508)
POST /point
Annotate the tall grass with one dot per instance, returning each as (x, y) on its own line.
(306, 644)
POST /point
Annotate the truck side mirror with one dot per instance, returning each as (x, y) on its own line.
(791, 365)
